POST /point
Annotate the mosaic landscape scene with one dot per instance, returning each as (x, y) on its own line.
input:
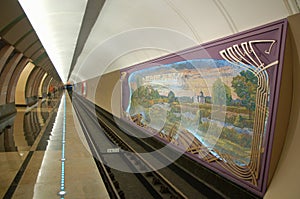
(204, 106)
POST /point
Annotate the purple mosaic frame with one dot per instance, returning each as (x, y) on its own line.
(268, 37)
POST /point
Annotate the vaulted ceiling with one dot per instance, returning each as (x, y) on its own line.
(86, 38)
(16, 30)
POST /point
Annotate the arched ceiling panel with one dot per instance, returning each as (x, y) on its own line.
(37, 53)
(17, 31)
(41, 59)
(159, 27)
(9, 17)
(45, 64)
(34, 47)
(134, 57)
(27, 41)
(248, 14)
(204, 18)
(143, 24)
(130, 31)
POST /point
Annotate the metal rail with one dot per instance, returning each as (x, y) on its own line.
(112, 185)
(154, 179)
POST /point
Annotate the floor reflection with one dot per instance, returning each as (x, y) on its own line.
(19, 131)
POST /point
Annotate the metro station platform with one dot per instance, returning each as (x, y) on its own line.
(37, 160)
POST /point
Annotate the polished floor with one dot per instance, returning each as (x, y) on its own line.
(38, 161)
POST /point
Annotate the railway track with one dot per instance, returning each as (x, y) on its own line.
(181, 179)
(153, 181)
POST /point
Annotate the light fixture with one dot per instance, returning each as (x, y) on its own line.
(57, 24)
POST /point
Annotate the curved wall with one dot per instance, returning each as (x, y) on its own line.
(6, 76)
(20, 98)
(285, 183)
(40, 91)
(14, 80)
(105, 92)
